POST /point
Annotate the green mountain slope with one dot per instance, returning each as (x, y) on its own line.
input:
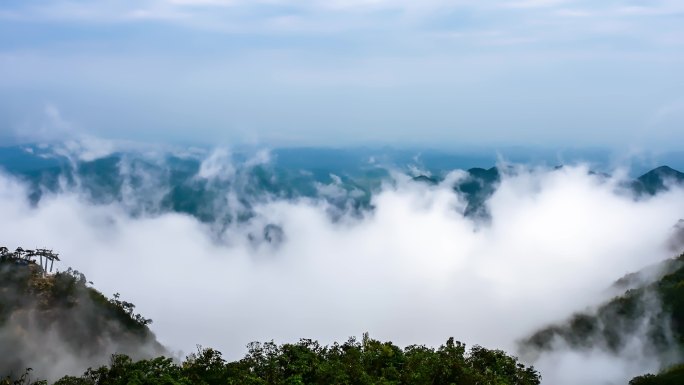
(654, 310)
(56, 322)
(671, 376)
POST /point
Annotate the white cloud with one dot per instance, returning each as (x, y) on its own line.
(413, 271)
(217, 166)
(70, 140)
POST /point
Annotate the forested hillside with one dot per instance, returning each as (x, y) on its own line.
(57, 322)
(51, 322)
(365, 362)
(58, 318)
(654, 311)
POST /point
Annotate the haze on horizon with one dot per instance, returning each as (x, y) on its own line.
(280, 72)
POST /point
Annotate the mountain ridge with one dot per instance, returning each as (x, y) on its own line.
(55, 320)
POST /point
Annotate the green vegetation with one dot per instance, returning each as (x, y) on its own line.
(307, 362)
(57, 317)
(87, 321)
(660, 304)
(672, 376)
(84, 318)
(56, 296)
(656, 310)
(671, 290)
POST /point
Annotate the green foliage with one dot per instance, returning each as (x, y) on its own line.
(672, 376)
(127, 308)
(365, 362)
(368, 362)
(624, 315)
(32, 302)
(23, 285)
(124, 371)
(671, 290)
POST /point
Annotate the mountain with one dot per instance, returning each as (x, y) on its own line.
(57, 322)
(221, 188)
(20, 160)
(477, 188)
(657, 180)
(651, 308)
(671, 376)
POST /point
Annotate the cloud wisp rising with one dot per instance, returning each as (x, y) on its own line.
(412, 270)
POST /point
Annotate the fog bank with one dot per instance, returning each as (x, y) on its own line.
(412, 270)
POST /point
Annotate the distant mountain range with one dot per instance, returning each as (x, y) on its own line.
(222, 188)
(481, 183)
(198, 183)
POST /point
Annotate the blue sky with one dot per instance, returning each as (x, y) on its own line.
(336, 72)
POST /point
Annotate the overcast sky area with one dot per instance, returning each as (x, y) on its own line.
(347, 72)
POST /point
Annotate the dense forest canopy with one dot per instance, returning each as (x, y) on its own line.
(307, 362)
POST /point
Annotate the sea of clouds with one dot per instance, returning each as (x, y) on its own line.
(412, 269)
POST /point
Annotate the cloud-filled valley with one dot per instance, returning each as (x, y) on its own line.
(406, 265)
(354, 192)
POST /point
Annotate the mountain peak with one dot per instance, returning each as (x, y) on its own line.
(657, 180)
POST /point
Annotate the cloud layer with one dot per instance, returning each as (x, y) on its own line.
(413, 270)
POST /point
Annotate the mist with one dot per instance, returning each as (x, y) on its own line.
(411, 270)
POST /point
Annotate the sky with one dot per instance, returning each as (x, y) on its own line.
(347, 72)
(436, 73)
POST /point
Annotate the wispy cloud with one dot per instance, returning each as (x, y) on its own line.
(413, 271)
